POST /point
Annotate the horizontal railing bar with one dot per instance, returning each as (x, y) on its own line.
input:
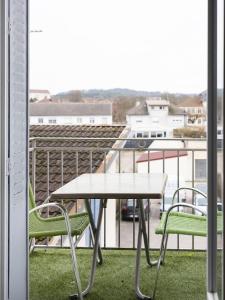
(113, 139)
(114, 149)
(116, 248)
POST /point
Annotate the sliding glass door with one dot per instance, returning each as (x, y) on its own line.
(220, 140)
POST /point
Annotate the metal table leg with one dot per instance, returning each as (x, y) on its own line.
(93, 227)
(144, 231)
(95, 254)
(138, 292)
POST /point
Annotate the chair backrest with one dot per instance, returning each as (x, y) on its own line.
(35, 215)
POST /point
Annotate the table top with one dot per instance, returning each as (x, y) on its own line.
(114, 186)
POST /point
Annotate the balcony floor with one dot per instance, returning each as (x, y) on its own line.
(182, 278)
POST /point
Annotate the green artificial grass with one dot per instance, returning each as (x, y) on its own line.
(182, 278)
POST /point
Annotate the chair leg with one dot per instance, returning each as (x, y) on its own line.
(165, 248)
(31, 245)
(160, 260)
(75, 267)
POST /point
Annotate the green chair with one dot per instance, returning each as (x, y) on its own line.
(73, 225)
(182, 223)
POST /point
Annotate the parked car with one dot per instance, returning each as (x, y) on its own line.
(130, 209)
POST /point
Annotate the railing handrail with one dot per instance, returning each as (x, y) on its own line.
(113, 139)
(103, 149)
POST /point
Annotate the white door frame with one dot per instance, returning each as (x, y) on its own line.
(13, 150)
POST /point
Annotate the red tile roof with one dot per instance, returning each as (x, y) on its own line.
(159, 155)
(72, 165)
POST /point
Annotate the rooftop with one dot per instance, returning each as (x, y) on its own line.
(141, 109)
(191, 102)
(161, 155)
(72, 165)
(157, 102)
(70, 109)
(40, 91)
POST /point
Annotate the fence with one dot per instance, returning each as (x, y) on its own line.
(55, 161)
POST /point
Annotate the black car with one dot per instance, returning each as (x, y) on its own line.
(130, 209)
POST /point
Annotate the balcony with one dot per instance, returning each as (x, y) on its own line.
(50, 271)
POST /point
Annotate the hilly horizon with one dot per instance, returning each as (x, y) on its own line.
(117, 92)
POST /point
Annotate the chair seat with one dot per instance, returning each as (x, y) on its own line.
(188, 224)
(40, 227)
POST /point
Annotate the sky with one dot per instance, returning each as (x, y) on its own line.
(152, 45)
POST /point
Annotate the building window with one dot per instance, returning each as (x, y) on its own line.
(164, 133)
(145, 134)
(199, 121)
(79, 120)
(40, 120)
(52, 121)
(200, 168)
(139, 134)
(153, 134)
(92, 120)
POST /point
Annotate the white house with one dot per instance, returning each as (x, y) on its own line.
(39, 95)
(70, 113)
(196, 111)
(153, 118)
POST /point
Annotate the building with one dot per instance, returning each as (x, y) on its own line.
(184, 167)
(196, 111)
(154, 119)
(70, 113)
(39, 95)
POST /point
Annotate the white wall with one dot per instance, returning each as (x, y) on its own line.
(71, 120)
(171, 167)
(156, 123)
(186, 165)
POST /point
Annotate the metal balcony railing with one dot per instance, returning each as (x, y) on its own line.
(120, 157)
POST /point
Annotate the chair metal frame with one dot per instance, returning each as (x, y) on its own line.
(165, 235)
(68, 228)
(96, 253)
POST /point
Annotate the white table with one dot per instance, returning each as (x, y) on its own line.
(115, 186)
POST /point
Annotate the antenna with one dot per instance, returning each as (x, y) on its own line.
(36, 31)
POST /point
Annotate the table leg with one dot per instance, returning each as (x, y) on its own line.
(93, 227)
(145, 237)
(138, 292)
(95, 254)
